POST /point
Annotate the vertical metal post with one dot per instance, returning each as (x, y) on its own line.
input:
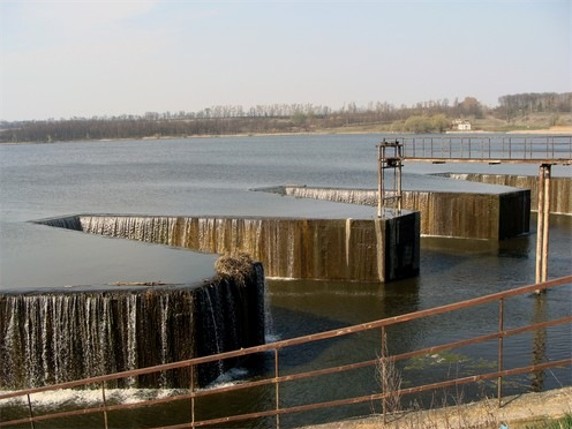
(552, 147)
(543, 223)
(383, 374)
(379, 182)
(399, 170)
(545, 226)
(539, 224)
(538, 344)
(30, 412)
(470, 147)
(276, 388)
(500, 350)
(192, 387)
(105, 421)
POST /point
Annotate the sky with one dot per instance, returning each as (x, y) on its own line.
(64, 59)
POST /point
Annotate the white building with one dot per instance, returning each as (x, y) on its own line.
(461, 125)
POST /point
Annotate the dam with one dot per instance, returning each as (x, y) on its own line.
(356, 250)
(493, 213)
(64, 335)
(182, 178)
(561, 188)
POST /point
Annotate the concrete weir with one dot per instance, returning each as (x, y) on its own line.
(560, 187)
(62, 335)
(343, 249)
(469, 215)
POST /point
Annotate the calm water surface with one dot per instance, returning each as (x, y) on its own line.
(214, 177)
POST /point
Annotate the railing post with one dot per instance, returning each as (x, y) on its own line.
(552, 147)
(500, 350)
(105, 421)
(470, 147)
(380, 191)
(399, 183)
(276, 388)
(383, 374)
(192, 387)
(31, 414)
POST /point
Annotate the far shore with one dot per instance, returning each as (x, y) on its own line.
(564, 130)
(556, 130)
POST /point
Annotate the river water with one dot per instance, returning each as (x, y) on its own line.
(214, 176)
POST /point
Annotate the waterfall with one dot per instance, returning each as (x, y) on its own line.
(352, 196)
(70, 222)
(339, 249)
(55, 337)
(213, 329)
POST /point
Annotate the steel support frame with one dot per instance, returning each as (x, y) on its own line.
(394, 162)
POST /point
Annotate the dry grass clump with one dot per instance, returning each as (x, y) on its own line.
(389, 379)
(237, 266)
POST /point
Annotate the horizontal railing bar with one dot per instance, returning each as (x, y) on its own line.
(480, 339)
(328, 404)
(376, 397)
(495, 160)
(94, 410)
(373, 362)
(402, 356)
(294, 377)
(303, 340)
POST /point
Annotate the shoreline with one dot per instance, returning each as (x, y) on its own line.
(519, 411)
(553, 131)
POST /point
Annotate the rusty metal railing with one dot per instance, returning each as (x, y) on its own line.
(277, 379)
(490, 149)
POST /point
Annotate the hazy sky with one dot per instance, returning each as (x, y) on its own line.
(85, 58)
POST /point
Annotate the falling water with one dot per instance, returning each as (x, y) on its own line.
(353, 196)
(217, 337)
(56, 337)
(352, 250)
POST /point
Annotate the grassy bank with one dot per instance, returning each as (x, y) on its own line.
(544, 410)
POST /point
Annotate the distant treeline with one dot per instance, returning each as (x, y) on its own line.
(429, 116)
(522, 104)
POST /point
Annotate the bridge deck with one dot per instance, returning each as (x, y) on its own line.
(545, 150)
(492, 161)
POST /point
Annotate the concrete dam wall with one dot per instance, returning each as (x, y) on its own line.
(342, 249)
(59, 336)
(560, 188)
(444, 214)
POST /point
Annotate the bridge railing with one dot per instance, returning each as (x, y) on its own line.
(276, 380)
(494, 149)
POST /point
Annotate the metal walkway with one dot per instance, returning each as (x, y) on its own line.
(544, 151)
(551, 150)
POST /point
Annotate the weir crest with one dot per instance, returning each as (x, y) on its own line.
(59, 336)
(357, 250)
